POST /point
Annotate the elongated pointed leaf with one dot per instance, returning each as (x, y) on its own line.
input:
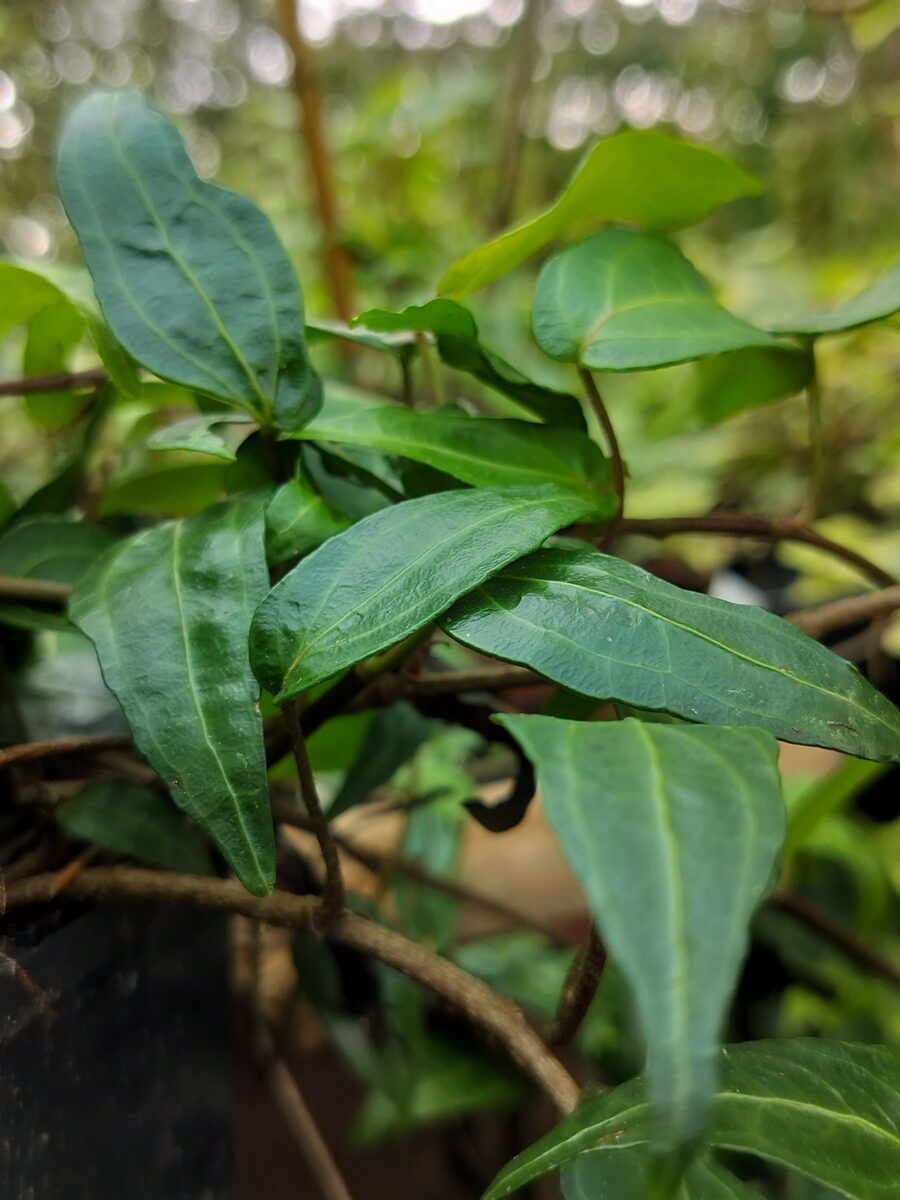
(168, 611)
(131, 819)
(608, 629)
(460, 347)
(191, 278)
(622, 301)
(641, 177)
(673, 831)
(298, 520)
(878, 301)
(625, 1175)
(829, 1110)
(392, 573)
(479, 450)
(197, 434)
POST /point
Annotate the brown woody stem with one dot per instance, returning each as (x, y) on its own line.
(59, 382)
(333, 896)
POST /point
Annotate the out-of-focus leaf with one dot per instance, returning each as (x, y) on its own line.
(298, 520)
(673, 831)
(727, 384)
(53, 548)
(198, 434)
(878, 301)
(120, 365)
(622, 301)
(168, 611)
(606, 628)
(826, 796)
(640, 177)
(191, 278)
(830, 1110)
(175, 490)
(392, 739)
(625, 1175)
(398, 343)
(131, 819)
(25, 293)
(483, 451)
(53, 334)
(394, 572)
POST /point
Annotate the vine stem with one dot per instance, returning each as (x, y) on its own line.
(333, 896)
(579, 990)
(58, 382)
(496, 1017)
(612, 444)
(850, 610)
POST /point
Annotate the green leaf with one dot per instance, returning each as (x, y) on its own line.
(137, 821)
(119, 364)
(640, 177)
(321, 329)
(673, 831)
(174, 490)
(53, 333)
(198, 434)
(298, 520)
(830, 1110)
(460, 347)
(391, 740)
(626, 1174)
(622, 301)
(606, 628)
(394, 572)
(727, 384)
(479, 450)
(52, 548)
(168, 611)
(191, 278)
(25, 294)
(881, 299)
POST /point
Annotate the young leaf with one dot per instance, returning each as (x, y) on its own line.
(641, 177)
(191, 278)
(673, 830)
(131, 819)
(198, 434)
(622, 301)
(168, 611)
(460, 347)
(479, 450)
(881, 299)
(626, 1174)
(606, 628)
(298, 520)
(392, 573)
(829, 1110)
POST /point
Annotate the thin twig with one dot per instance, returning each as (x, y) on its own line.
(850, 610)
(816, 437)
(612, 445)
(35, 751)
(60, 381)
(400, 686)
(493, 1015)
(333, 895)
(579, 990)
(772, 528)
(837, 934)
(45, 591)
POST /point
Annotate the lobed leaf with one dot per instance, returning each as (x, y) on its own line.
(673, 831)
(608, 629)
(640, 177)
(191, 278)
(168, 611)
(394, 572)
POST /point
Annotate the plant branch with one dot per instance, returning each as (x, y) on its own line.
(43, 591)
(838, 934)
(818, 622)
(400, 686)
(612, 445)
(333, 896)
(36, 751)
(771, 528)
(579, 990)
(493, 1015)
(60, 381)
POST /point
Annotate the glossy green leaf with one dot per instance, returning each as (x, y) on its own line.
(168, 611)
(197, 434)
(394, 572)
(640, 177)
(298, 520)
(829, 1110)
(626, 1174)
(191, 278)
(483, 451)
(606, 628)
(460, 347)
(622, 301)
(673, 831)
(878, 301)
(175, 490)
(52, 548)
(53, 333)
(727, 384)
(128, 818)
